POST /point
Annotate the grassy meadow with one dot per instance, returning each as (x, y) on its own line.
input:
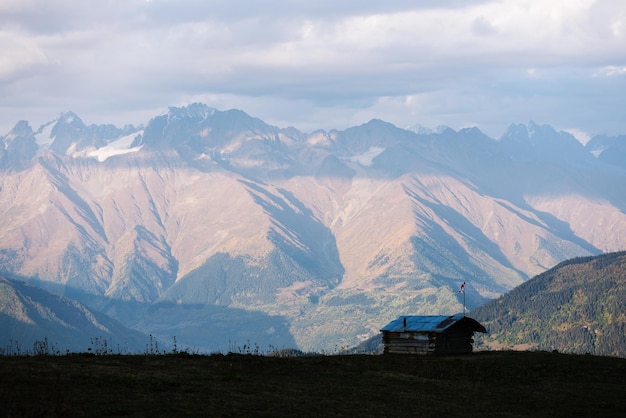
(499, 384)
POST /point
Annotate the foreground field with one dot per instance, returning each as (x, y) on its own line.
(502, 384)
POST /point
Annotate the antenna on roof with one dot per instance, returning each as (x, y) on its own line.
(462, 290)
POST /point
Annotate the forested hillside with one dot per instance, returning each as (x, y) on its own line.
(579, 306)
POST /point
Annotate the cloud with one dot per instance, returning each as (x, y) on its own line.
(318, 64)
(611, 71)
(19, 58)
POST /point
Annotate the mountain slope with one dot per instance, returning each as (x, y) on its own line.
(329, 234)
(579, 306)
(29, 316)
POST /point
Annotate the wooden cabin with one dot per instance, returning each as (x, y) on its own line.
(431, 334)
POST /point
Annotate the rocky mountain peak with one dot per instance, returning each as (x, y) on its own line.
(194, 111)
(18, 147)
(68, 130)
(420, 129)
(534, 142)
(21, 129)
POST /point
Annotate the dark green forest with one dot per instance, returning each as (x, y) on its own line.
(579, 306)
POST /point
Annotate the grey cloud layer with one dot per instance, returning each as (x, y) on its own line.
(319, 64)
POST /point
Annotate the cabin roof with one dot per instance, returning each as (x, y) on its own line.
(431, 323)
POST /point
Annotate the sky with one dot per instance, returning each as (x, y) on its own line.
(319, 64)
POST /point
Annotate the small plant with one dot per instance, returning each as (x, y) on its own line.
(248, 348)
(14, 348)
(41, 347)
(153, 347)
(99, 346)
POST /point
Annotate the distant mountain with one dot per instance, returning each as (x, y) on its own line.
(214, 226)
(542, 143)
(579, 306)
(20, 147)
(609, 149)
(34, 321)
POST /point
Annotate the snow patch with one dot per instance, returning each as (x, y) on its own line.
(8, 139)
(582, 136)
(366, 159)
(43, 137)
(118, 147)
(597, 151)
(420, 129)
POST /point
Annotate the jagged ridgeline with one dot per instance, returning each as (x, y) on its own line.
(214, 226)
(579, 306)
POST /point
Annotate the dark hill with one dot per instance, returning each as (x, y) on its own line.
(579, 306)
(33, 320)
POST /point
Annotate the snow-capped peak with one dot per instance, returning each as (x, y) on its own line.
(420, 129)
(194, 110)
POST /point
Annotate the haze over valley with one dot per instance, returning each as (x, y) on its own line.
(219, 229)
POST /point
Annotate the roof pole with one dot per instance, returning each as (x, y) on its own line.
(462, 290)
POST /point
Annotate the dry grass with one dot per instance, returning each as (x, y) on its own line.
(503, 384)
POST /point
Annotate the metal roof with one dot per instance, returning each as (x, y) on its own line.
(430, 323)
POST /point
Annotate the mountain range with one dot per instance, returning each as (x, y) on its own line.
(219, 229)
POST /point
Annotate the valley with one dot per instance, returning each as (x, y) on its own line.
(213, 226)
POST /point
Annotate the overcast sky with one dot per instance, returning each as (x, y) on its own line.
(319, 63)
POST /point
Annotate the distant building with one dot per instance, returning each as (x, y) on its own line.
(431, 334)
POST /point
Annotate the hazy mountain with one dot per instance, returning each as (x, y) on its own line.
(204, 220)
(609, 149)
(31, 317)
(578, 306)
(537, 143)
(20, 147)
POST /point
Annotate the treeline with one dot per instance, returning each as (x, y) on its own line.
(579, 306)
